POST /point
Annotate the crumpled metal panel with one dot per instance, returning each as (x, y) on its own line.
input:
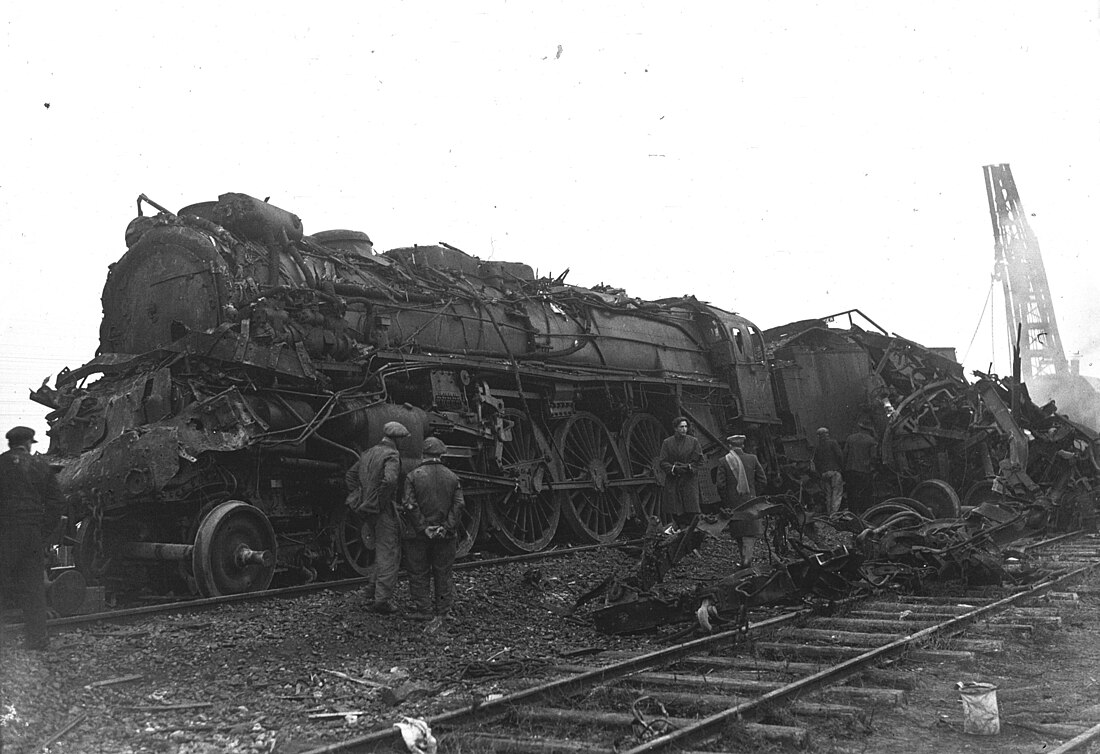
(135, 464)
(222, 423)
(139, 463)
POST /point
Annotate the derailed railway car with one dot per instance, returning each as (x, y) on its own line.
(949, 442)
(243, 364)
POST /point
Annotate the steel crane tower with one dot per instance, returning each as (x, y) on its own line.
(1019, 267)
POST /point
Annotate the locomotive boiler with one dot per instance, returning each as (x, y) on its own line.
(243, 364)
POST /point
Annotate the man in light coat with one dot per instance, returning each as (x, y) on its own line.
(828, 461)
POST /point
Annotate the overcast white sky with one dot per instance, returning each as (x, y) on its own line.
(782, 160)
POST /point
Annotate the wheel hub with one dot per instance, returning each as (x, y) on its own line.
(531, 479)
(245, 556)
(597, 472)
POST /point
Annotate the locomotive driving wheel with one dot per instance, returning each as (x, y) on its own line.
(525, 518)
(939, 497)
(89, 553)
(641, 441)
(353, 540)
(594, 507)
(234, 550)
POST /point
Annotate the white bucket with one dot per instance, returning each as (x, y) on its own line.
(980, 714)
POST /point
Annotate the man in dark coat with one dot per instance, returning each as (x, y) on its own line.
(378, 473)
(860, 453)
(431, 508)
(680, 457)
(31, 505)
(740, 476)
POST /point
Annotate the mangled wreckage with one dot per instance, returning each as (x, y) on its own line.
(1022, 468)
(243, 363)
(897, 545)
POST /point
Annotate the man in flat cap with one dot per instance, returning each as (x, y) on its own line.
(377, 474)
(31, 504)
(432, 505)
(740, 478)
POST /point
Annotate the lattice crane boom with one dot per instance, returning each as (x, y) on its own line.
(1019, 267)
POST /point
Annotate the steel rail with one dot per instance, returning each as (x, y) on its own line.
(340, 585)
(711, 726)
(1076, 742)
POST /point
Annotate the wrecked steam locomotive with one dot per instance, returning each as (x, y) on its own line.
(243, 363)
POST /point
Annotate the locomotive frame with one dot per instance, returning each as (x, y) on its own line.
(242, 367)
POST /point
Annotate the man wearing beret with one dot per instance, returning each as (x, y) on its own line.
(376, 480)
(30, 505)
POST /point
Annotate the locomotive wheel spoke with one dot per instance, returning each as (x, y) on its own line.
(87, 552)
(357, 553)
(641, 442)
(525, 519)
(597, 512)
(234, 550)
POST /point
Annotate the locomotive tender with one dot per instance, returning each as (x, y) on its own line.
(243, 365)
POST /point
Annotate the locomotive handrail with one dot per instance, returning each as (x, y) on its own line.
(848, 313)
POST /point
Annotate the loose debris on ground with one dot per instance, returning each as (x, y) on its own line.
(286, 676)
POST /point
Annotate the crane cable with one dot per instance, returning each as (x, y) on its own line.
(981, 317)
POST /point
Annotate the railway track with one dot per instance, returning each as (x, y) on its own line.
(200, 604)
(776, 681)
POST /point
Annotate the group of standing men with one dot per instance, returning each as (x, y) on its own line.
(740, 477)
(419, 510)
(418, 513)
(853, 467)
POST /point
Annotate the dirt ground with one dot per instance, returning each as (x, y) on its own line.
(258, 678)
(1048, 692)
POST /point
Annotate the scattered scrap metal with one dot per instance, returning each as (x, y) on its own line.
(896, 545)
